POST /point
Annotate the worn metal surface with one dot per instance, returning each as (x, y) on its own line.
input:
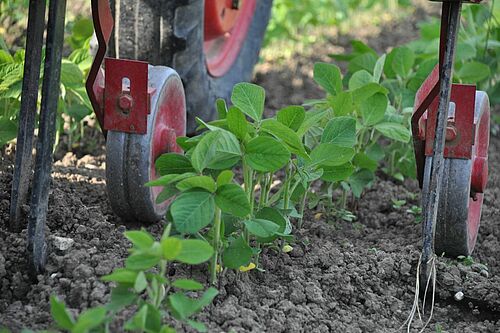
(130, 159)
(431, 192)
(47, 131)
(459, 212)
(29, 97)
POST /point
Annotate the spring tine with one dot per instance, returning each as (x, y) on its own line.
(45, 145)
(431, 192)
(24, 146)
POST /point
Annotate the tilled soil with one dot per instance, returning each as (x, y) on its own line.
(340, 276)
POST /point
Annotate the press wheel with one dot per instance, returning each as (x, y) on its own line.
(461, 195)
(130, 158)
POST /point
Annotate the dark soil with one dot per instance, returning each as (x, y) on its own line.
(340, 276)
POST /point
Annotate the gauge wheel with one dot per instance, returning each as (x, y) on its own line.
(461, 195)
(212, 44)
(130, 158)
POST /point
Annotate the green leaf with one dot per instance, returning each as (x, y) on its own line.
(121, 297)
(172, 163)
(359, 79)
(360, 180)
(368, 90)
(225, 177)
(187, 284)
(140, 282)
(121, 275)
(237, 123)
(375, 152)
(286, 135)
(203, 182)
(340, 131)
(171, 247)
(342, 103)
(379, 68)
(330, 154)
(273, 215)
(194, 251)
(183, 307)
(266, 154)
(141, 239)
(472, 72)
(313, 117)
(82, 29)
(169, 179)
(261, 228)
(5, 57)
(328, 77)
(362, 161)
(291, 116)
(216, 150)
(337, 173)
(249, 98)
(221, 108)
(394, 131)
(364, 61)
(167, 192)
(200, 327)
(138, 321)
(141, 261)
(192, 211)
(403, 61)
(70, 73)
(237, 254)
(153, 319)
(8, 131)
(373, 109)
(61, 315)
(232, 199)
(90, 319)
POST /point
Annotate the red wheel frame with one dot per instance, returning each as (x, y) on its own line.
(461, 196)
(225, 30)
(130, 158)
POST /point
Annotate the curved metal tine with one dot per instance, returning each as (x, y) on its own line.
(29, 97)
(47, 130)
(431, 193)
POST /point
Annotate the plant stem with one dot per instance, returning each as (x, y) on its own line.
(302, 208)
(343, 199)
(216, 241)
(286, 195)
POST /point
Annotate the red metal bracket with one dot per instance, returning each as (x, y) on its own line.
(103, 25)
(126, 98)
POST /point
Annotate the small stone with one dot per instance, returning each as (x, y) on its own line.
(459, 296)
(62, 243)
(485, 273)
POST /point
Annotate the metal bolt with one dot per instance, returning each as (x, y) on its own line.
(235, 4)
(132, 128)
(451, 133)
(125, 102)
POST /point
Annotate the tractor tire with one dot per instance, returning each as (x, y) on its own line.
(171, 33)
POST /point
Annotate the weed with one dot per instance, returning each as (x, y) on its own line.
(417, 212)
(398, 204)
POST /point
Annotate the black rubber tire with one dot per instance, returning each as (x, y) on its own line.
(170, 33)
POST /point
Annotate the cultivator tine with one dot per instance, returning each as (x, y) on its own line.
(24, 145)
(434, 179)
(47, 130)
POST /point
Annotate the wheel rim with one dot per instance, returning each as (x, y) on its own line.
(169, 123)
(225, 30)
(479, 172)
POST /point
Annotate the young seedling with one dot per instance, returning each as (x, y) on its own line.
(143, 286)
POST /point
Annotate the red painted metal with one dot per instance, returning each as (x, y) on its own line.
(426, 94)
(225, 31)
(103, 26)
(169, 123)
(126, 108)
(479, 176)
(464, 97)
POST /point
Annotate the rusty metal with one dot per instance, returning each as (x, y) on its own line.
(29, 97)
